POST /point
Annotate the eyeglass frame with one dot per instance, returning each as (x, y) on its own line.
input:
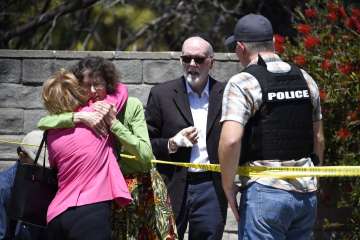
(97, 85)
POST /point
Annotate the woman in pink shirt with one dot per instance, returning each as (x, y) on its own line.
(89, 176)
(149, 215)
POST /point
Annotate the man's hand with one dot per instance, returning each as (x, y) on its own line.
(187, 137)
(230, 194)
(94, 120)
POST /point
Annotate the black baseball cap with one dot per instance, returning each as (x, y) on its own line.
(250, 28)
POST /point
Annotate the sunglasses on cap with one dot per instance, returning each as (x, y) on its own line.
(197, 59)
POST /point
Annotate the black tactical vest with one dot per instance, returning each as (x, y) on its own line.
(282, 128)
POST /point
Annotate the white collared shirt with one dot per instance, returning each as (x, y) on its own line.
(199, 106)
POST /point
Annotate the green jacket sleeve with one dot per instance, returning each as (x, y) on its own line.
(132, 133)
(63, 120)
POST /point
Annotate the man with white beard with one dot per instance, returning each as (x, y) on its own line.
(183, 123)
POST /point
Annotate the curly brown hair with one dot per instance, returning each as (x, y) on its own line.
(98, 66)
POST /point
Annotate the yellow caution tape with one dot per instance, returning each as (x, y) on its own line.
(278, 172)
(207, 167)
(18, 143)
(127, 156)
(257, 171)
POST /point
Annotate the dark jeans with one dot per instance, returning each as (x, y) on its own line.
(202, 211)
(90, 222)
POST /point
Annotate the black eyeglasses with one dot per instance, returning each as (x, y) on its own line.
(197, 59)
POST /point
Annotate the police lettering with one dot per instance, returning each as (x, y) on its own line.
(288, 95)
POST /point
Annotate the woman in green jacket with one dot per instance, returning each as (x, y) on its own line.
(149, 216)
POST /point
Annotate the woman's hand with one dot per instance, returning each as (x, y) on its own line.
(111, 116)
(107, 110)
(94, 120)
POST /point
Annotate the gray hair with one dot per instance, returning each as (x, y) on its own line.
(210, 50)
(256, 47)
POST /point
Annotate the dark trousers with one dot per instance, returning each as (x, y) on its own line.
(90, 222)
(201, 209)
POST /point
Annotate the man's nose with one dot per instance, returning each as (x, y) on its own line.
(192, 62)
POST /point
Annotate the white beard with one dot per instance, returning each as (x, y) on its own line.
(192, 80)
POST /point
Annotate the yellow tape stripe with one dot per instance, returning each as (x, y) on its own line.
(127, 156)
(208, 167)
(18, 143)
(272, 172)
(279, 172)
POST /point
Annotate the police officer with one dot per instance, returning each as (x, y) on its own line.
(271, 116)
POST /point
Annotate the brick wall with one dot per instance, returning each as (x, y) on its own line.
(23, 72)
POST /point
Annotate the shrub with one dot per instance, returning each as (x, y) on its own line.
(327, 46)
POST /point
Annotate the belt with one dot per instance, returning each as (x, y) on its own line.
(198, 177)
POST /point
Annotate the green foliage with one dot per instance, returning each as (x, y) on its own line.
(154, 25)
(328, 48)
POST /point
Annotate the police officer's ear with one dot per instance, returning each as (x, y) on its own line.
(240, 47)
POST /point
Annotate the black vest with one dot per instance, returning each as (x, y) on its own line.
(282, 128)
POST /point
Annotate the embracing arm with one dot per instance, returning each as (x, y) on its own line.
(133, 134)
(63, 120)
(94, 120)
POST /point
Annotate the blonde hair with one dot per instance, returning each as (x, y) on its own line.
(63, 93)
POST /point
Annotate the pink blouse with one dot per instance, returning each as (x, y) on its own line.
(88, 171)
